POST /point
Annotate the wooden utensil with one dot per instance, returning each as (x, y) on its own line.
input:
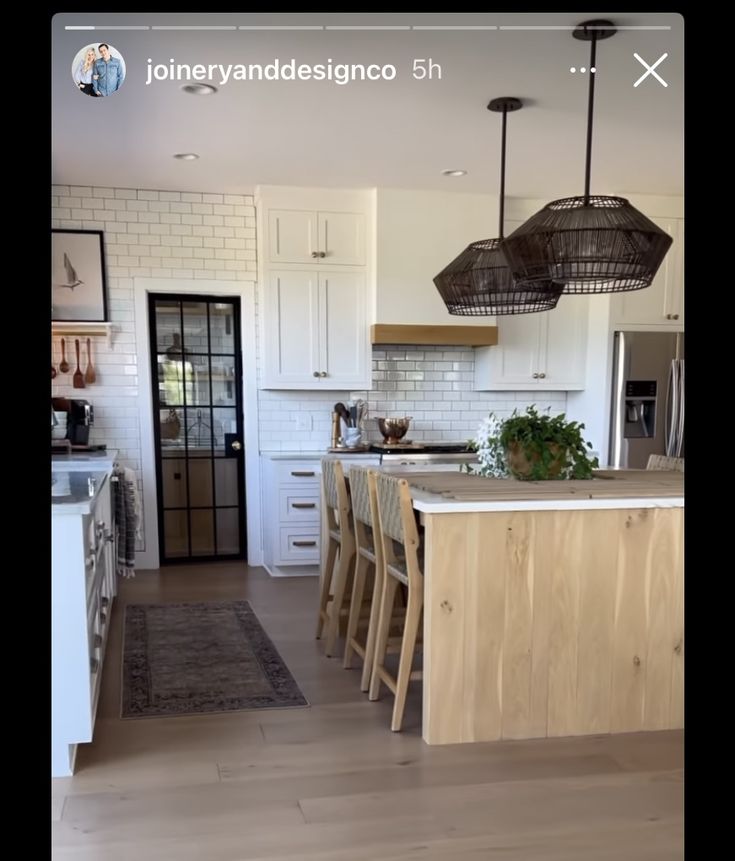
(63, 365)
(90, 376)
(78, 378)
(53, 372)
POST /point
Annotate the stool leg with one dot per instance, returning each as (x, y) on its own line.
(325, 584)
(346, 560)
(408, 645)
(367, 666)
(358, 591)
(381, 638)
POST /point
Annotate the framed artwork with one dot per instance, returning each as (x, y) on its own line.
(78, 280)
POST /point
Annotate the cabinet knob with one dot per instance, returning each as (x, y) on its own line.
(322, 253)
(97, 641)
(104, 601)
(316, 373)
(90, 560)
(314, 253)
(103, 617)
(676, 316)
(542, 376)
(323, 374)
(535, 376)
(94, 665)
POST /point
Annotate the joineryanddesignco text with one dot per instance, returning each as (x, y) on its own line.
(289, 70)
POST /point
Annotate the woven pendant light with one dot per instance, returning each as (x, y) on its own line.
(479, 283)
(589, 244)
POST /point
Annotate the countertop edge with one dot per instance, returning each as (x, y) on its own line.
(430, 504)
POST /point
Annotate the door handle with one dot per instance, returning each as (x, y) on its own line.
(236, 445)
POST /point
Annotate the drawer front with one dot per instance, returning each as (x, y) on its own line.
(297, 505)
(298, 473)
(299, 544)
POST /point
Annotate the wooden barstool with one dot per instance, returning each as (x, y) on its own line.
(368, 565)
(339, 554)
(397, 524)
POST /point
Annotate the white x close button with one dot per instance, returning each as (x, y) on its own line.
(650, 70)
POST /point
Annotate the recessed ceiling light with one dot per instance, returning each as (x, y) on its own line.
(199, 89)
(186, 156)
(454, 172)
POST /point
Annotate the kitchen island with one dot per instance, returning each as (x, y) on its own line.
(551, 608)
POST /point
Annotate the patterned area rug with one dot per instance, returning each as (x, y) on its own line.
(184, 659)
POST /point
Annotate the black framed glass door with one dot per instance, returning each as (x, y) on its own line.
(196, 372)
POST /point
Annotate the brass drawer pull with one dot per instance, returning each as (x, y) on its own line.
(303, 504)
(303, 474)
(304, 543)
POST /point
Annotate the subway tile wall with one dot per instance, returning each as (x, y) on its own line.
(147, 233)
(433, 385)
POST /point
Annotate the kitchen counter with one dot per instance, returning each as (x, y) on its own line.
(84, 460)
(551, 610)
(74, 491)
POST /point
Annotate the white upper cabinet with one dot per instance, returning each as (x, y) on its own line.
(315, 321)
(661, 304)
(537, 351)
(318, 238)
(316, 277)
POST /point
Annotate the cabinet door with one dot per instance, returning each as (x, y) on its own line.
(514, 361)
(649, 306)
(674, 299)
(291, 329)
(563, 345)
(292, 236)
(343, 331)
(342, 238)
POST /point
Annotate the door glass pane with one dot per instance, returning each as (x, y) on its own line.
(225, 421)
(176, 533)
(202, 533)
(228, 536)
(171, 427)
(175, 381)
(200, 482)
(174, 482)
(199, 431)
(225, 476)
(196, 337)
(168, 326)
(223, 381)
(222, 328)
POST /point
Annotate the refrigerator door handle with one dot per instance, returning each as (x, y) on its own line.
(669, 411)
(680, 411)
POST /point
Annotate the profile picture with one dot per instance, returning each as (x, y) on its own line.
(98, 70)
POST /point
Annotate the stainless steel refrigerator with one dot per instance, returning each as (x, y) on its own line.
(647, 415)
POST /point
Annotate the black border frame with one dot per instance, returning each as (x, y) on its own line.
(103, 268)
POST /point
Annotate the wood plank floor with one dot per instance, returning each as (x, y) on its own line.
(332, 783)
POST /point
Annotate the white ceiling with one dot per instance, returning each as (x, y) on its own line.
(398, 133)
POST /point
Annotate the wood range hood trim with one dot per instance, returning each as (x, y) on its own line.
(441, 336)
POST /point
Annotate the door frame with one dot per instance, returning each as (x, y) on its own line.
(245, 290)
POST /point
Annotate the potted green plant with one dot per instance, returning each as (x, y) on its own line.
(533, 447)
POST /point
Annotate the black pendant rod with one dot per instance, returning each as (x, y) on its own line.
(502, 175)
(502, 106)
(590, 112)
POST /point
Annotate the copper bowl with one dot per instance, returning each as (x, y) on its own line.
(393, 430)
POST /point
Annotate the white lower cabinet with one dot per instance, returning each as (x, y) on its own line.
(544, 351)
(291, 511)
(83, 587)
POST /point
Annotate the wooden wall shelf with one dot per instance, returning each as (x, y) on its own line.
(470, 336)
(84, 330)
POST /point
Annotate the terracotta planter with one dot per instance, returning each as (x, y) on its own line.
(520, 463)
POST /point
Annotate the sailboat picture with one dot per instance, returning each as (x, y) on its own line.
(78, 283)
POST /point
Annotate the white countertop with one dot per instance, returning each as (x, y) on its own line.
(431, 503)
(318, 455)
(84, 461)
(74, 491)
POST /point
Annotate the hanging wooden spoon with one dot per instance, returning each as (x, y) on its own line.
(90, 376)
(63, 365)
(53, 369)
(78, 378)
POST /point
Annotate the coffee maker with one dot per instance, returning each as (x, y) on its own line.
(81, 418)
